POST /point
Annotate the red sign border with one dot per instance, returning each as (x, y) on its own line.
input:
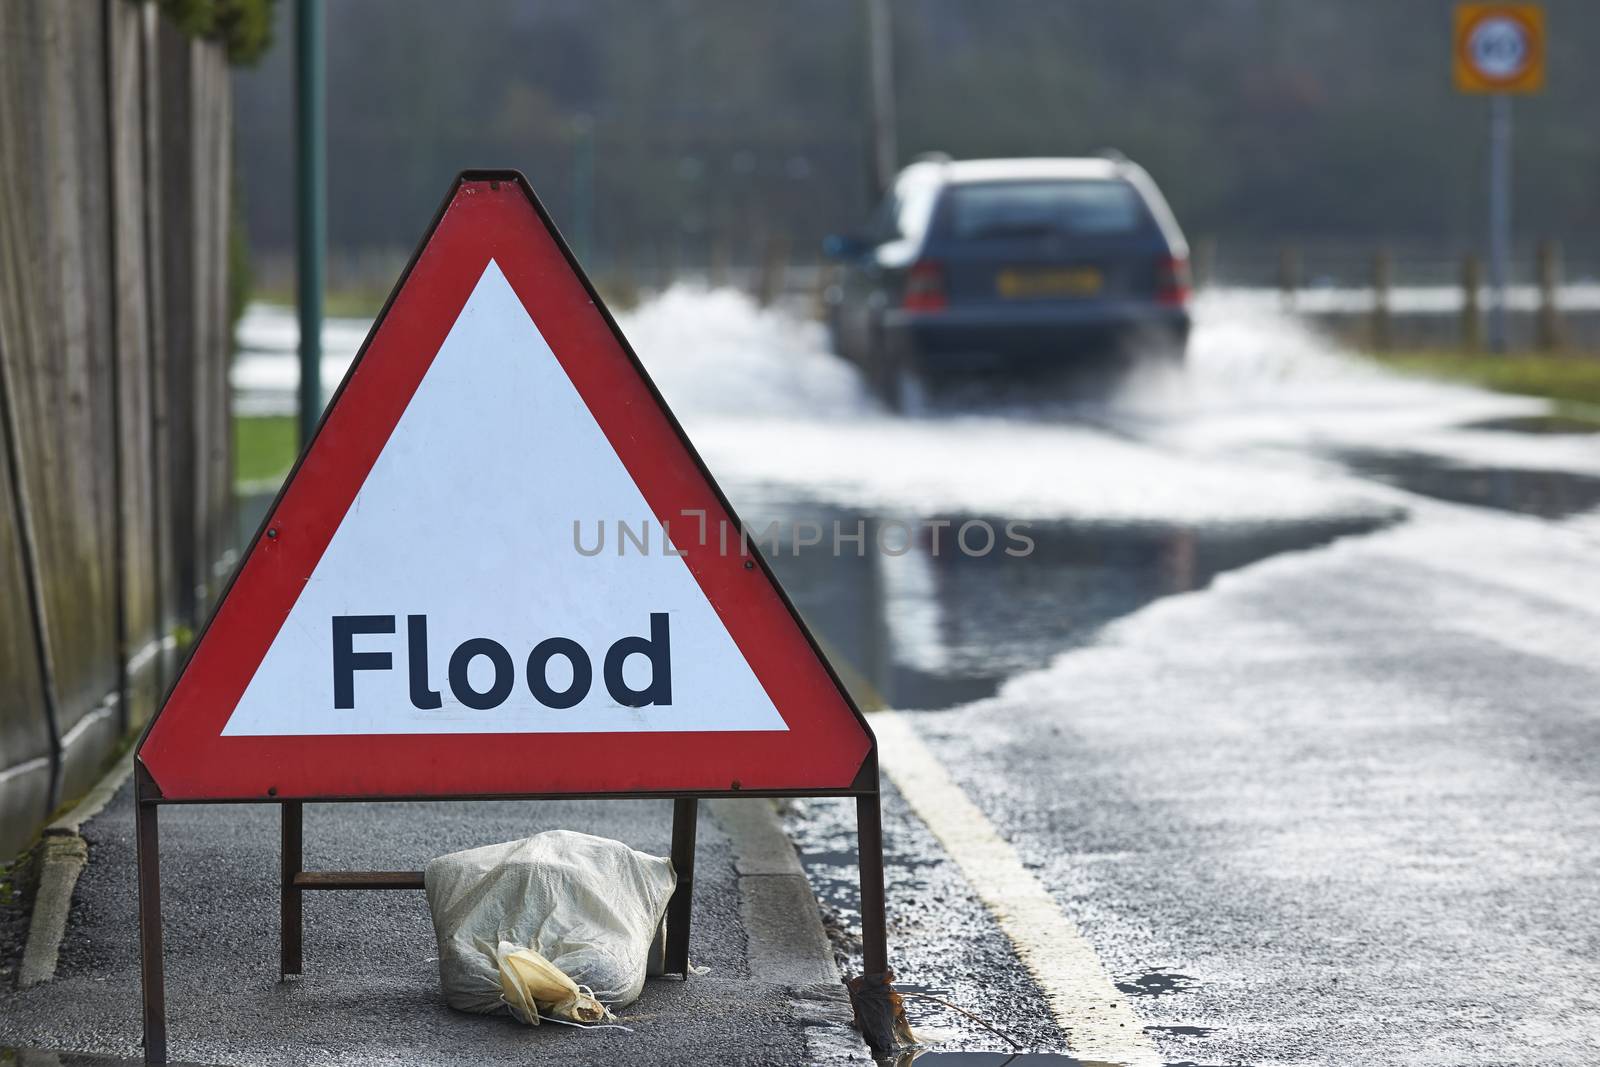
(860, 780)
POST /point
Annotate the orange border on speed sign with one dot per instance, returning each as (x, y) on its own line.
(1469, 77)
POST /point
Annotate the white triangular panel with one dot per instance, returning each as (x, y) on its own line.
(467, 518)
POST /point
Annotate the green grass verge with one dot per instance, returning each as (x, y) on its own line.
(1574, 379)
(264, 447)
(620, 293)
(336, 303)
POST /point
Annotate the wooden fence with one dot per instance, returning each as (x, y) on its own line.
(115, 488)
(1383, 297)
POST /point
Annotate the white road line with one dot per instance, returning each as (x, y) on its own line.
(1098, 1021)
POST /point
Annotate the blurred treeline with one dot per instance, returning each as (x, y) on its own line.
(667, 130)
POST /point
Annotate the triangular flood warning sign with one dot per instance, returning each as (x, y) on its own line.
(424, 612)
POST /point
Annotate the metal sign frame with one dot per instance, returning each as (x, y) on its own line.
(294, 880)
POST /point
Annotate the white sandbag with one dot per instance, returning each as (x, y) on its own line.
(592, 906)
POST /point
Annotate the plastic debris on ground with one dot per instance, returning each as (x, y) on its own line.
(562, 924)
(534, 987)
(880, 1014)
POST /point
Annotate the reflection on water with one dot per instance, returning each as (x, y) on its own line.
(1537, 424)
(1548, 494)
(930, 630)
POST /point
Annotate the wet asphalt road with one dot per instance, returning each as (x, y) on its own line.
(1340, 808)
(1307, 751)
(369, 993)
(1291, 710)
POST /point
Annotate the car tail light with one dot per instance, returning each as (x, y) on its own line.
(925, 287)
(1172, 281)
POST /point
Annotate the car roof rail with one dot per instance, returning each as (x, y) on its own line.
(934, 157)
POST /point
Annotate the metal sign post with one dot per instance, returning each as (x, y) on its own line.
(1499, 217)
(311, 231)
(1499, 49)
(494, 403)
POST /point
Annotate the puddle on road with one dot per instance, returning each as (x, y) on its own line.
(1183, 1031)
(1544, 493)
(1537, 424)
(1156, 984)
(930, 631)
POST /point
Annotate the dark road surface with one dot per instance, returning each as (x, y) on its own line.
(370, 990)
(1353, 785)
(1306, 753)
(1281, 747)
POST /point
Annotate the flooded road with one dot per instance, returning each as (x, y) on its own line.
(1289, 708)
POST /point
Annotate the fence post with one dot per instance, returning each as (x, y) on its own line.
(1203, 262)
(721, 260)
(1548, 326)
(672, 262)
(1382, 268)
(1471, 302)
(624, 287)
(1288, 275)
(820, 280)
(774, 265)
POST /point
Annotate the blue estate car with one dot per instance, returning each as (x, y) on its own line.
(1004, 264)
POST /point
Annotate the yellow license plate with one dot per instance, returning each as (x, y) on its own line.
(1023, 284)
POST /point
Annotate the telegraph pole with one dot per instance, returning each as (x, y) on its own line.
(880, 86)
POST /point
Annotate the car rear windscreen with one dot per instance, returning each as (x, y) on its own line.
(988, 210)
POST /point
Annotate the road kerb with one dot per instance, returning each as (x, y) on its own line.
(787, 943)
(63, 854)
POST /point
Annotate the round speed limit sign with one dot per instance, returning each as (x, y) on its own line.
(1499, 47)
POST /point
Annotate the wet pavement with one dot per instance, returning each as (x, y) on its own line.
(369, 993)
(1289, 705)
(1352, 786)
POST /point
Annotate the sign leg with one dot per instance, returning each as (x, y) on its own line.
(291, 861)
(151, 972)
(874, 923)
(880, 1014)
(685, 815)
